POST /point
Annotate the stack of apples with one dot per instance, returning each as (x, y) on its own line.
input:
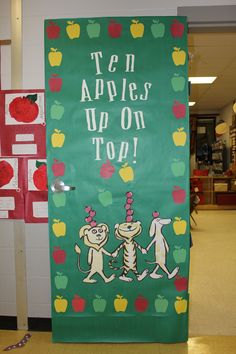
(91, 214)
(128, 207)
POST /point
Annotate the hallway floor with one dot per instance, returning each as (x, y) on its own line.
(212, 274)
(40, 343)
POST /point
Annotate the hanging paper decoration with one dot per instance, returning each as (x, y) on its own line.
(22, 134)
(22, 122)
(11, 188)
(118, 157)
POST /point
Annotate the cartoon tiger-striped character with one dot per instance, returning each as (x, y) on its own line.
(127, 232)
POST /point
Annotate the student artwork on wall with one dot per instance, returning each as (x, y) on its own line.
(11, 188)
(118, 156)
(36, 206)
(22, 122)
(23, 186)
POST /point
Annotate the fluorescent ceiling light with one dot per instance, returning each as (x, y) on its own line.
(202, 79)
(191, 103)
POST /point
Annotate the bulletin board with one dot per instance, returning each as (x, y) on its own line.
(118, 148)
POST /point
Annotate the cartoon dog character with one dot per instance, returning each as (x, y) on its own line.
(161, 248)
(95, 238)
(127, 232)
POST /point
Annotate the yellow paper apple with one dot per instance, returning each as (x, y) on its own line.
(178, 56)
(73, 30)
(179, 226)
(55, 57)
(181, 305)
(60, 304)
(120, 304)
(57, 138)
(126, 173)
(179, 137)
(137, 29)
(59, 228)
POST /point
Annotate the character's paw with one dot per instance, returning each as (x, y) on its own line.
(173, 273)
(156, 276)
(144, 251)
(112, 277)
(124, 278)
(88, 280)
(142, 275)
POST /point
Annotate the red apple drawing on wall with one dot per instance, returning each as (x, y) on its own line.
(179, 195)
(177, 29)
(58, 168)
(179, 110)
(141, 304)
(6, 173)
(53, 30)
(59, 255)
(181, 283)
(55, 83)
(78, 303)
(24, 109)
(114, 29)
(40, 176)
(107, 170)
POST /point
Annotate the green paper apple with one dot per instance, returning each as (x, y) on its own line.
(57, 110)
(93, 29)
(99, 304)
(178, 82)
(105, 197)
(161, 304)
(178, 168)
(59, 199)
(158, 29)
(179, 254)
(61, 281)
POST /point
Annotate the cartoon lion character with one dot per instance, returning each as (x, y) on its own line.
(95, 238)
(127, 232)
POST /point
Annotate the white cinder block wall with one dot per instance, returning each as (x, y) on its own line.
(34, 13)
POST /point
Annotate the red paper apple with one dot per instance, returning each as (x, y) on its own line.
(177, 29)
(6, 173)
(107, 170)
(59, 255)
(181, 283)
(78, 303)
(141, 304)
(55, 83)
(179, 110)
(53, 30)
(58, 168)
(114, 29)
(24, 109)
(40, 176)
(179, 195)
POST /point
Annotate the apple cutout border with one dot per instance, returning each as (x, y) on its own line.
(115, 29)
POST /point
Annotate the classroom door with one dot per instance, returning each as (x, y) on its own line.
(118, 157)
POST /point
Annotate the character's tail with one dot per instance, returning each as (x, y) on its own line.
(111, 265)
(78, 251)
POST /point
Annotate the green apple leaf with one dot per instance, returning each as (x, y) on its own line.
(32, 98)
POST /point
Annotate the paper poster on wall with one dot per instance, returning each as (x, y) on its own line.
(22, 123)
(11, 188)
(36, 209)
(118, 157)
